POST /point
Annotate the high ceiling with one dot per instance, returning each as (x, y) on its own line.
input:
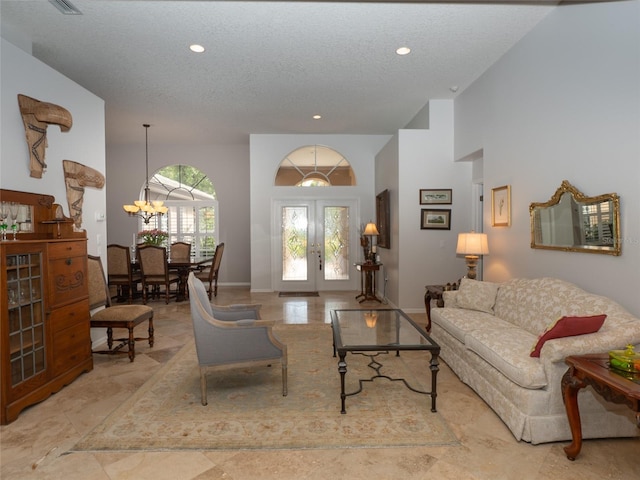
(268, 67)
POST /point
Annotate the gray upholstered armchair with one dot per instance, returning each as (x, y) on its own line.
(232, 335)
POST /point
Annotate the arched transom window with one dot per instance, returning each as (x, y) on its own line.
(315, 166)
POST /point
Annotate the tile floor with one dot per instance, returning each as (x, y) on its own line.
(35, 445)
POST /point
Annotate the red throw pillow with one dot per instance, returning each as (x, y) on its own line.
(567, 327)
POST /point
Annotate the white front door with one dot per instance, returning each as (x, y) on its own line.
(316, 245)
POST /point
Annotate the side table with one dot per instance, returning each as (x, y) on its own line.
(434, 292)
(593, 369)
(368, 281)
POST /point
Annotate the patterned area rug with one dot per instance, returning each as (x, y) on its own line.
(246, 408)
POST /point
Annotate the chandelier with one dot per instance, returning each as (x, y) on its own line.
(144, 208)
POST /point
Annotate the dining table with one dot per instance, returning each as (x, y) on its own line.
(182, 266)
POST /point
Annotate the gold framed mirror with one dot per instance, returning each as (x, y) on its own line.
(573, 222)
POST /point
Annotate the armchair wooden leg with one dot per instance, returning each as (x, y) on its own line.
(203, 386)
(284, 380)
(132, 345)
(109, 337)
(151, 332)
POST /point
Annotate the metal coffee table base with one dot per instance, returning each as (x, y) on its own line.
(371, 332)
(377, 366)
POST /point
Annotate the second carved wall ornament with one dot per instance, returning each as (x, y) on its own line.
(76, 177)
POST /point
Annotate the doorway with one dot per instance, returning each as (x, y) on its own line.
(315, 245)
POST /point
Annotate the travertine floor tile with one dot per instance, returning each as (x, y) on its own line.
(35, 446)
(159, 466)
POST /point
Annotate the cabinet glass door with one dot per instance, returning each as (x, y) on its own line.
(27, 353)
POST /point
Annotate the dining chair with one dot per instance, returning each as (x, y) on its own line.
(115, 316)
(241, 339)
(210, 273)
(120, 274)
(180, 251)
(154, 270)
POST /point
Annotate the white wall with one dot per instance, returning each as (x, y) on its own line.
(84, 143)
(428, 257)
(419, 157)
(267, 151)
(564, 103)
(387, 171)
(227, 166)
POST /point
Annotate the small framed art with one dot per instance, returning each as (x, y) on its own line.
(435, 197)
(501, 206)
(436, 219)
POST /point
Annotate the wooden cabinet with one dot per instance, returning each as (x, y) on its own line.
(45, 340)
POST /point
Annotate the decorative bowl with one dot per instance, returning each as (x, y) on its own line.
(626, 360)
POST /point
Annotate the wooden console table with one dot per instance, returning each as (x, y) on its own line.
(593, 369)
(368, 281)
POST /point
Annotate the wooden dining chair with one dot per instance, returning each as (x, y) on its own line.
(180, 251)
(115, 316)
(210, 274)
(120, 274)
(154, 270)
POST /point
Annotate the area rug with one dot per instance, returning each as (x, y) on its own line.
(246, 409)
(298, 294)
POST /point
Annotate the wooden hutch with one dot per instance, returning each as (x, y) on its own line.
(45, 340)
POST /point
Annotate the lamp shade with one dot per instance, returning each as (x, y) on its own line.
(371, 229)
(472, 244)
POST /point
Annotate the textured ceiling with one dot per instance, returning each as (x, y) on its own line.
(268, 66)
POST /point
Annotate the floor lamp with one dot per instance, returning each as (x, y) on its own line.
(472, 245)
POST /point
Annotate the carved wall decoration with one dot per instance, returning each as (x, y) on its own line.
(36, 115)
(76, 177)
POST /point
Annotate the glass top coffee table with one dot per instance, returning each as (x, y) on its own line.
(372, 332)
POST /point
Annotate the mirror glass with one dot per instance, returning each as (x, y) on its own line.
(572, 222)
(15, 217)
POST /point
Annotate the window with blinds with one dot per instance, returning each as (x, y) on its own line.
(193, 209)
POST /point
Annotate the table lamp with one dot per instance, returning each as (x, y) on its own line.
(472, 245)
(370, 230)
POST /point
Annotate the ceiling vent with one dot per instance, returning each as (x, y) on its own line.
(66, 7)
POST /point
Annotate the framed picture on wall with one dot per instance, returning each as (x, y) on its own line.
(501, 206)
(382, 219)
(435, 197)
(436, 219)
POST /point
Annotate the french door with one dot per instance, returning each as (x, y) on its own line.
(315, 245)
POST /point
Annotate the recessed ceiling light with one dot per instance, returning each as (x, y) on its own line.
(403, 51)
(317, 117)
(196, 48)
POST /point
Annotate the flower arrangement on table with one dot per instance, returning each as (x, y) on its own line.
(153, 237)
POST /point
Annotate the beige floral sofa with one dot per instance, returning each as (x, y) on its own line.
(487, 332)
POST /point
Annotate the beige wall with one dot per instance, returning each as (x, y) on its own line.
(226, 165)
